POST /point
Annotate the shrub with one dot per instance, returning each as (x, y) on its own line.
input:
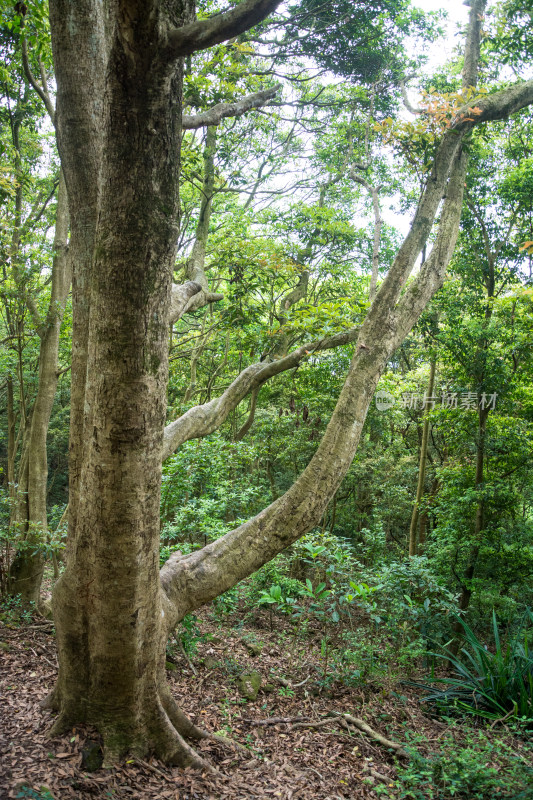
(479, 769)
(492, 684)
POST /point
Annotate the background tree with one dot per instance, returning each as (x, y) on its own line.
(36, 285)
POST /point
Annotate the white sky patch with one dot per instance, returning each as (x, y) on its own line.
(457, 18)
(439, 54)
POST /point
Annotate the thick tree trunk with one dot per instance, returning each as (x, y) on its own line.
(118, 124)
(108, 604)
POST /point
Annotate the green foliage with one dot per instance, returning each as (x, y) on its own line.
(201, 501)
(478, 768)
(368, 45)
(14, 613)
(190, 634)
(34, 794)
(492, 683)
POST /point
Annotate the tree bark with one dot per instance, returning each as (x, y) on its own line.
(119, 131)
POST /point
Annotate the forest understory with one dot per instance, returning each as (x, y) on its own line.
(297, 747)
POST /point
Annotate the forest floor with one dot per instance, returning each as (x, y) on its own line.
(331, 761)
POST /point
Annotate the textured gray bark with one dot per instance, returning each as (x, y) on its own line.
(118, 128)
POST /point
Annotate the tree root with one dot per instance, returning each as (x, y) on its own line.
(334, 717)
(172, 748)
(165, 734)
(365, 728)
(191, 731)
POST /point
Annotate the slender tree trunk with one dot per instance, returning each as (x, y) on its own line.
(479, 522)
(11, 435)
(27, 568)
(376, 241)
(413, 547)
(424, 519)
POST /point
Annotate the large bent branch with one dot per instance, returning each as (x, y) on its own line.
(195, 579)
(216, 29)
(190, 581)
(189, 296)
(499, 105)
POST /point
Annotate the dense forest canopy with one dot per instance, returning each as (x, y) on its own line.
(266, 274)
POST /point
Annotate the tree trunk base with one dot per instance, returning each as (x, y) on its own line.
(162, 732)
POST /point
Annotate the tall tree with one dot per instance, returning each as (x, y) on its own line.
(118, 69)
(23, 308)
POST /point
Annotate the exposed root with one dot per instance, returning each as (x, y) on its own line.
(51, 701)
(61, 725)
(165, 734)
(180, 720)
(173, 749)
(334, 717)
(191, 731)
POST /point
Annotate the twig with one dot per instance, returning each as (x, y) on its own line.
(302, 683)
(228, 742)
(184, 654)
(275, 720)
(153, 769)
(363, 726)
(45, 624)
(379, 777)
(312, 769)
(319, 724)
(502, 719)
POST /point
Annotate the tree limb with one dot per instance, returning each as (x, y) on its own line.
(190, 581)
(499, 105)
(205, 33)
(214, 115)
(180, 299)
(241, 433)
(41, 91)
(202, 420)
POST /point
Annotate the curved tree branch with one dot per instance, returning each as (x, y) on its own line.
(241, 433)
(42, 91)
(181, 297)
(202, 420)
(216, 29)
(190, 581)
(214, 115)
